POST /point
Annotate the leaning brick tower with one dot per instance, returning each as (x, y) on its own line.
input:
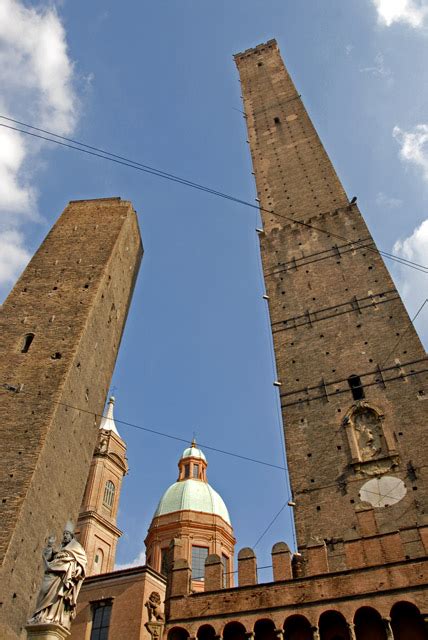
(60, 328)
(351, 368)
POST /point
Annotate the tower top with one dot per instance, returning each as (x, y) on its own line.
(270, 44)
(107, 421)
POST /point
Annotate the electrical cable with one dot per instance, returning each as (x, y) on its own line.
(277, 398)
(121, 160)
(412, 320)
(270, 524)
(6, 386)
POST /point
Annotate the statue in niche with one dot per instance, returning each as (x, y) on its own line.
(367, 441)
(64, 573)
(369, 433)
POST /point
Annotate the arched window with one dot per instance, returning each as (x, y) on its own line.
(109, 494)
(333, 626)
(356, 387)
(234, 631)
(407, 622)
(369, 624)
(297, 627)
(26, 343)
(206, 632)
(265, 630)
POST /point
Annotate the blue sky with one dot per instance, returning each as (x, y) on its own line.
(156, 82)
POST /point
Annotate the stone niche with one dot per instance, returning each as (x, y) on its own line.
(370, 443)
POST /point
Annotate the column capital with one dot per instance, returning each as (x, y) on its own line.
(315, 633)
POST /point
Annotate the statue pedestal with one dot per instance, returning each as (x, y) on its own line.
(155, 629)
(46, 631)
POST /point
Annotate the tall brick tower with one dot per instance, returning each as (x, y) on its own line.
(98, 532)
(60, 329)
(352, 370)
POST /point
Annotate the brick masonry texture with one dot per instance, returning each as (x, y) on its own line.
(335, 313)
(74, 297)
(130, 589)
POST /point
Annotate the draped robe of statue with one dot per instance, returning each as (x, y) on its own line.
(64, 574)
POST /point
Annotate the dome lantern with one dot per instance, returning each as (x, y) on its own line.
(192, 510)
(192, 464)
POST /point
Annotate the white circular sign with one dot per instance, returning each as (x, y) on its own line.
(382, 492)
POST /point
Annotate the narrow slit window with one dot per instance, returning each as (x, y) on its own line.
(26, 343)
(187, 470)
(276, 120)
(195, 470)
(356, 387)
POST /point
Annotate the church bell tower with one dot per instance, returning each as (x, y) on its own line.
(98, 532)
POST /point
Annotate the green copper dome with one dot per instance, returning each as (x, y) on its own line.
(192, 495)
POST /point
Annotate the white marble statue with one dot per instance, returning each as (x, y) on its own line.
(64, 573)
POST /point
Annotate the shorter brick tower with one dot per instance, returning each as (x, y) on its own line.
(98, 532)
(60, 328)
(190, 510)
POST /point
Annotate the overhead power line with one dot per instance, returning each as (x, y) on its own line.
(412, 320)
(270, 524)
(71, 143)
(11, 388)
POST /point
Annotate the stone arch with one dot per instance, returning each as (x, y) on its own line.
(369, 624)
(234, 631)
(333, 626)
(264, 629)
(297, 628)
(178, 633)
(407, 622)
(206, 632)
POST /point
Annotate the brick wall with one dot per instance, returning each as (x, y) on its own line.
(334, 311)
(74, 296)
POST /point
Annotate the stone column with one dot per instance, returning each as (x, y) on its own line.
(351, 629)
(388, 628)
(315, 633)
(250, 635)
(279, 634)
(47, 631)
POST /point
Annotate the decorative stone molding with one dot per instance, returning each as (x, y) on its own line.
(46, 631)
(155, 630)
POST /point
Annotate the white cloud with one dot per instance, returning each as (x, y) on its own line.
(414, 284)
(36, 79)
(411, 12)
(137, 562)
(388, 202)
(379, 69)
(13, 255)
(414, 146)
